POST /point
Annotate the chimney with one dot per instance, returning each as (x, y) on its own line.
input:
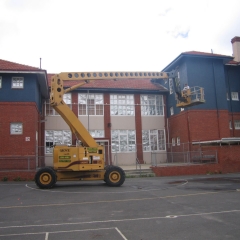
(236, 48)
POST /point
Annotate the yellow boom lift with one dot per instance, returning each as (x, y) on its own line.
(84, 162)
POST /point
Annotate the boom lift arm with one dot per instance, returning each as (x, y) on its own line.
(57, 92)
(83, 162)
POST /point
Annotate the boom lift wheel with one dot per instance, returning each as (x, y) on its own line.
(45, 178)
(114, 176)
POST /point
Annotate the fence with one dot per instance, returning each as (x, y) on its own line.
(189, 157)
(19, 163)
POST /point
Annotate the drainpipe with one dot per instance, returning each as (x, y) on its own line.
(216, 98)
(230, 99)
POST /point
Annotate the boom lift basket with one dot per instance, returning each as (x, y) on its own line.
(191, 97)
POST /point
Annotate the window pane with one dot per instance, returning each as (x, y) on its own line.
(153, 140)
(56, 137)
(122, 104)
(151, 104)
(16, 128)
(123, 140)
(90, 104)
(17, 82)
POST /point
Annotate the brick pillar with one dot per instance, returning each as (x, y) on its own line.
(107, 126)
(138, 126)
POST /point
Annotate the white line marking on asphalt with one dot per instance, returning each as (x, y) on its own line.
(121, 220)
(132, 191)
(121, 233)
(116, 200)
(46, 237)
(36, 233)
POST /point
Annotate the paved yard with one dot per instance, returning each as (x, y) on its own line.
(189, 207)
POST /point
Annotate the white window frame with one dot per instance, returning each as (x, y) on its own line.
(123, 141)
(170, 85)
(90, 104)
(17, 82)
(153, 140)
(122, 105)
(173, 142)
(50, 111)
(16, 128)
(53, 137)
(178, 141)
(0, 82)
(152, 105)
(234, 96)
(171, 111)
(237, 124)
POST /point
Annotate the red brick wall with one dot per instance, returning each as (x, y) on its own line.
(17, 175)
(228, 162)
(25, 113)
(198, 125)
(233, 117)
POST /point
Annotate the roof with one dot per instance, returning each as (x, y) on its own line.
(7, 66)
(11, 67)
(121, 84)
(234, 63)
(225, 58)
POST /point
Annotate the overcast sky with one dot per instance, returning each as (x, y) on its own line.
(113, 35)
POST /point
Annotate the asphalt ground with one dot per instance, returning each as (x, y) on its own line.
(187, 207)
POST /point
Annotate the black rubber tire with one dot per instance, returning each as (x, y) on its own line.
(106, 168)
(114, 176)
(45, 178)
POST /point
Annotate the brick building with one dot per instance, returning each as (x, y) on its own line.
(132, 118)
(23, 90)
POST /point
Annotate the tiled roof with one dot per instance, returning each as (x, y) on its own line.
(11, 66)
(204, 54)
(124, 84)
(233, 63)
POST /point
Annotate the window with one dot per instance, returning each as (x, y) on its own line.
(170, 85)
(171, 111)
(17, 82)
(122, 105)
(153, 140)
(123, 140)
(173, 141)
(90, 104)
(237, 124)
(50, 111)
(0, 82)
(96, 133)
(152, 105)
(178, 141)
(230, 124)
(53, 137)
(235, 96)
(16, 128)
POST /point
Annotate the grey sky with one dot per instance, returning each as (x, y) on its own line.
(114, 35)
